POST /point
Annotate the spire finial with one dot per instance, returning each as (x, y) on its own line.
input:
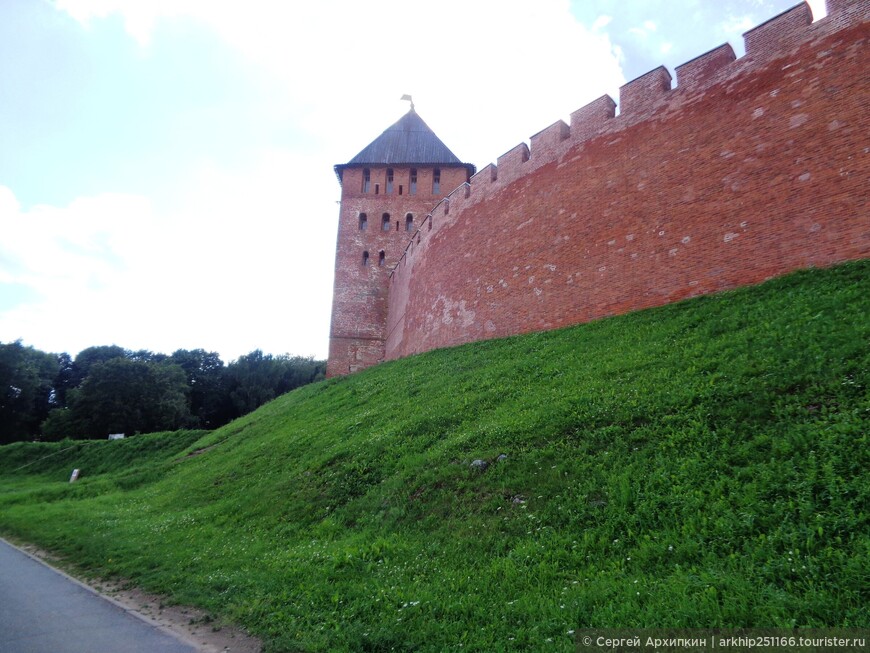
(408, 98)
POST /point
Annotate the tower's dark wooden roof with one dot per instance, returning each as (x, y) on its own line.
(408, 142)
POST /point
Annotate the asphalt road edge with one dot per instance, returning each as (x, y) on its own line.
(178, 634)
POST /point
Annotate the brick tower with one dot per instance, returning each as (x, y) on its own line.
(386, 191)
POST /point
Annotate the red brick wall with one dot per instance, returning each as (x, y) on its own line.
(359, 304)
(748, 170)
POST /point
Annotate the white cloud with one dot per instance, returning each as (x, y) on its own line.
(236, 267)
(735, 26)
(819, 9)
(473, 68)
(644, 31)
(601, 22)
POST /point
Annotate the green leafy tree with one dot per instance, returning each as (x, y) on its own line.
(89, 357)
(124, 396)
(257, 378)
(64, 380)
(205, 373)
(26, 390)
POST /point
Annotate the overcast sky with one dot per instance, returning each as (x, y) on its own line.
(166, 174)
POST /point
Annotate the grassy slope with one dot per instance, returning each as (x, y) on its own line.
(701, 464)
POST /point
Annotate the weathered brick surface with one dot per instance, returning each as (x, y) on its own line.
(786, 30)
(359, 303)
(693, 74)
(644, 94)
(758, 167)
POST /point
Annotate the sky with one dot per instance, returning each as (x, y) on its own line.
(166, 166)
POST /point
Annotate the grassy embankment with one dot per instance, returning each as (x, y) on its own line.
(702, 464)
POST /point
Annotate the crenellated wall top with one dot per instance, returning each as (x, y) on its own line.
(648, 97)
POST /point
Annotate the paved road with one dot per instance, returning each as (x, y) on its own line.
(43, 611)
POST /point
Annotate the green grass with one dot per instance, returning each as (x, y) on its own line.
(702, 464)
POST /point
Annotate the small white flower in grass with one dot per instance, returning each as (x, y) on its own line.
(570, 632)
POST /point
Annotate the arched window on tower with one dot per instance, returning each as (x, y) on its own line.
(409, 222)
(365, 260)
(385, 222)
(436, 182)
(367, 180)
(381, 258)
(363, 222)
(412, 189)
(389, 181)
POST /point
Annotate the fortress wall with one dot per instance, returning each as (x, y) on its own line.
(693, 74)
(359, 316)
(360, 294)
(748, 169)
(779, 34)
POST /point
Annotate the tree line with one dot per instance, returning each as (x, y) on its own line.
(109, 389)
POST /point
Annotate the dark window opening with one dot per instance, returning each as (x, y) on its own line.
(389, 181)
(413, 187)
(363, 222)
(409, 222)
(400, 189)
(367, 180)
(365, 259)
(385, 222)
(436, 181)
(381, 258)
(377, 189)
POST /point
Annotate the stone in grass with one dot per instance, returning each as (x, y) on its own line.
(501, 457)
(479, 465)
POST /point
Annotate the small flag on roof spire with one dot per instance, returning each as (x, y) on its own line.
(408, 98)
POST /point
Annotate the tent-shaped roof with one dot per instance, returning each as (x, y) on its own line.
(408, 142)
